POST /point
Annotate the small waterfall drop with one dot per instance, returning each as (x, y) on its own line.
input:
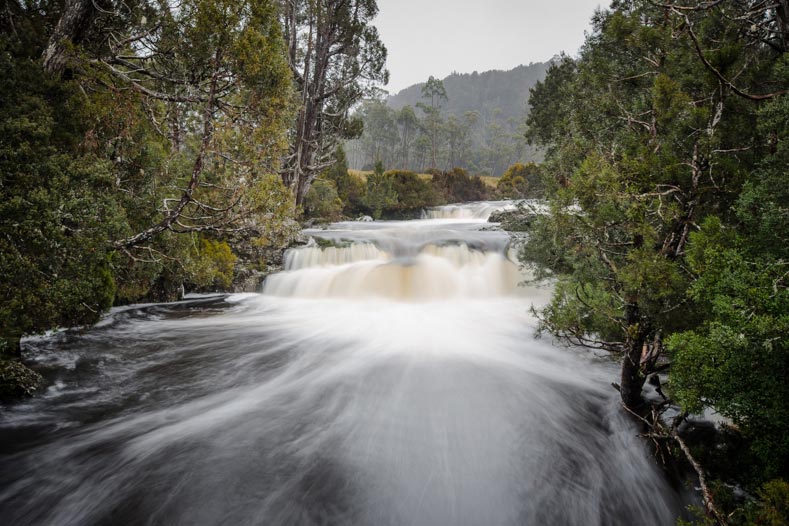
(415, 265)
(479, 211)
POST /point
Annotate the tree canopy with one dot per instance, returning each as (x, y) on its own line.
(666, 141)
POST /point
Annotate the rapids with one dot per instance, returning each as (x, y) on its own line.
(389, 375)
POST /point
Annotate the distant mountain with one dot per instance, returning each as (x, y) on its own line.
(482, 124)
(488, 92)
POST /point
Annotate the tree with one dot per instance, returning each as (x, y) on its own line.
(736, 360)
(380, 136)
(56, 206)
(408, 123)
(457, 133)
(336, 58)
(663, 139)
(322, 201)
(156, 126)
(350, 189)
(380, 193)
(413, 192)
(433, 123)
(640, 142)
(457, 186)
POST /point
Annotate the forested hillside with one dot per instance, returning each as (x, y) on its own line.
(478, 126)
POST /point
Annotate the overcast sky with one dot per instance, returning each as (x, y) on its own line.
(437, 37)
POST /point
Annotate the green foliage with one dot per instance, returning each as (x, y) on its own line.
(380, 195)
(350, 190)
(413, 192)
(458, 186)
(90, 159)
(16, 380)
(56, 209)
(212, 264)
(769, 507)
(737, 360)
(322, 201)
(772, 505)
(520, 181)
(669, 209)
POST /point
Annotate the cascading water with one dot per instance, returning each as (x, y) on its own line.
(391, 378)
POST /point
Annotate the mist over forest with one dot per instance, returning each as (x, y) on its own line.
(481, 124)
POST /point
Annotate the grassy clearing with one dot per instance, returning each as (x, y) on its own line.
(489, 180)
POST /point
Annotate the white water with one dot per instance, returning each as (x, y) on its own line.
(479, 211)
(393, 379)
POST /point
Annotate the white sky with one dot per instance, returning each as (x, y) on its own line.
(437, 37)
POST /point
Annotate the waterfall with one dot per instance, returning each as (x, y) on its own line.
(360, 270)
(468, 211)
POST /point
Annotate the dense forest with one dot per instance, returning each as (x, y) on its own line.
(473, 121)
(667, 154)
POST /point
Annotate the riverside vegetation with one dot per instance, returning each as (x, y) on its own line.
(667, 147)
(145, 148)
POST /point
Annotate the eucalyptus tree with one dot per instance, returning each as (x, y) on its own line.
(380, 136)
(336, 59)
(433, 123)
(408, 123)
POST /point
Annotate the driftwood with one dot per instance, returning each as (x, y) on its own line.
(659, 433)
(709, 503)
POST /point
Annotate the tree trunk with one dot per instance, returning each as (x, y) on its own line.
(782, 12)
(71, 28)
(11, 346)
(632, 381)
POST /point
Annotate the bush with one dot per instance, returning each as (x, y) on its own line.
(413, 192)
(381, 194)
(458, 186)
(214, 264)
(322, 201)
(520, 181)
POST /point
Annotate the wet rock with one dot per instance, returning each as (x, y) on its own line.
(16, 379)
(519, 220)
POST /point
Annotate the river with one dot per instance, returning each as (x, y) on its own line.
(391, 376)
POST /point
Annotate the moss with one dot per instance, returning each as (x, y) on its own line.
(16, 379)
(329, 243)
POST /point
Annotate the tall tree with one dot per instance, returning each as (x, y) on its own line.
(433, 123)
(336, 58)
(155, 120)
(663, 139)
(407, 122)
(647, 140)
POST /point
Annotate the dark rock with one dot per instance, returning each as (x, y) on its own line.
(16, 379)
(519, 220)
